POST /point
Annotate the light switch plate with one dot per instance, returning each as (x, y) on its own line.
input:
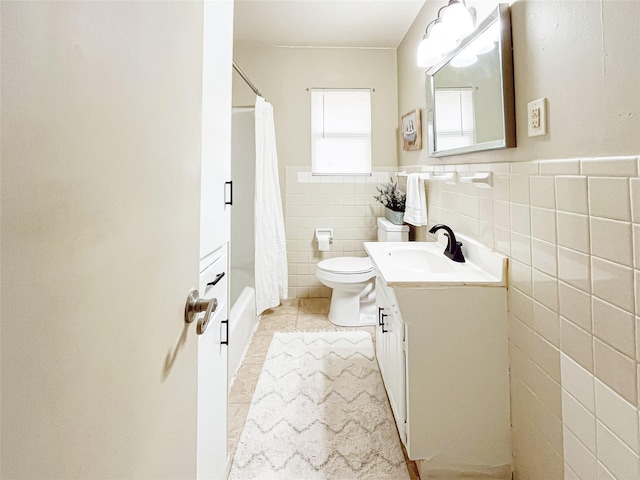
(537, 117)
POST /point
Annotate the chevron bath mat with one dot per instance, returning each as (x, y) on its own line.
(319, 411)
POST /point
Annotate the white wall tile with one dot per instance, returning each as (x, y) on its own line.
(521, 306)
(612, 240)
(579, 420)
(501, 187)
(614, 326)
(618, 166)
(578, 457)
(560, 167)
(609, 198)
(613, 283)
(545, 290)
(502, 239)
(571, 194)
(576, 343)
(546, 323)
(573, 231)
(616, 370)
(520, 219)
(604, 474)
(543, 257)
(575, 305)
(520, 277)
(635, 199)
(543, 224)
(636, 246)
(543, 192)
(617, 457)
(547, 356)
(521, 335)
(569, 474)
(578, 382)
(519, 189)
(521, 248)
(617, 415)
(574, 268)
(525, 168)
(501, 215)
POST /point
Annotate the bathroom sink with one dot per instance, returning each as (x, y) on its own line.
(423, 264)
(419, 259)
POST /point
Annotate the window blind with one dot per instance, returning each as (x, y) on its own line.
(454, 117)
(340, 131)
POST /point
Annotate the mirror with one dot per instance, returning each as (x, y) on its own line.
(470, 95)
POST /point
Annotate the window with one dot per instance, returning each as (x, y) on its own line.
(454, 117)
(340, 131)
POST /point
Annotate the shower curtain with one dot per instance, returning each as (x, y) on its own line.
(270, 244)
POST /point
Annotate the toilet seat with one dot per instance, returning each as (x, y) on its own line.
(346, 265)
(346, 270)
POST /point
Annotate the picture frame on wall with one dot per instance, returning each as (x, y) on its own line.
(411, 130)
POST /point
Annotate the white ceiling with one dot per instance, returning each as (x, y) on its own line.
(326, 23)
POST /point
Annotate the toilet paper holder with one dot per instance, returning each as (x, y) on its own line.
(324, 234)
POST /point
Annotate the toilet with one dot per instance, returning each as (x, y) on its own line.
(353, 299)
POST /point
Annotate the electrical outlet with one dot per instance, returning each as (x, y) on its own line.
(537, 117)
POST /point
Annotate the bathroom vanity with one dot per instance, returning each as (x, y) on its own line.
(442, 347)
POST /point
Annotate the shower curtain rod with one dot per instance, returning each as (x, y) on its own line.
(246, 79)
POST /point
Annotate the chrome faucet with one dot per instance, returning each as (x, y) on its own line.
(453, 250)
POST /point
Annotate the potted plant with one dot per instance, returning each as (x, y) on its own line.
(394, 200)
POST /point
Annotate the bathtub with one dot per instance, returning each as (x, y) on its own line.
(243, 321)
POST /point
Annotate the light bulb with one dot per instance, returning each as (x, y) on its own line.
(442, 38)
(458, 20)
(428, 53)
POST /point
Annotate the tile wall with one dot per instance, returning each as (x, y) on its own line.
(342, 202)
(572, 231)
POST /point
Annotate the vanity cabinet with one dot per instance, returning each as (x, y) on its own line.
(390, 338)
(443, 355)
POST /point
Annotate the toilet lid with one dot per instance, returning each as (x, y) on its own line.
(346, 265)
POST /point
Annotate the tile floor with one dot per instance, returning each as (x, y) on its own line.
(293, 314)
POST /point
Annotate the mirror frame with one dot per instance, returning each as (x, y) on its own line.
(505, 50)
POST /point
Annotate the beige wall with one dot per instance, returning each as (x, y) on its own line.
(564, 207)
(344, 203)
(583, 56)
(283, 76)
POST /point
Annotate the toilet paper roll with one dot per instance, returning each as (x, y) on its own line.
(323, 243)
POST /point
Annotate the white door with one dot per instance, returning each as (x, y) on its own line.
(101, 145)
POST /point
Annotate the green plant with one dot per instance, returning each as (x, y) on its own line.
(391, 196)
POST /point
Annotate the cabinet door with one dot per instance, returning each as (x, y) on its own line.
(215, 190)
(212, 374)
(395, 370)
(381, 348)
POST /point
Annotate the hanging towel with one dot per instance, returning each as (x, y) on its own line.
(416, 207)
(271, 250)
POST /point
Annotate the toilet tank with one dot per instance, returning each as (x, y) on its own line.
(390, 232)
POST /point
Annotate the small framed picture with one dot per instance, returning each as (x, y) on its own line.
(411, 130)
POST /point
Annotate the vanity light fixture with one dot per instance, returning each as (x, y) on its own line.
(455, 21)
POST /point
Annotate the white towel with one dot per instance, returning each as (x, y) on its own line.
(416, 207)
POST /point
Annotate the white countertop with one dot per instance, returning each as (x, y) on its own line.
(424, 265)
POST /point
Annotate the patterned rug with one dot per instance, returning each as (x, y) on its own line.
(319, 411)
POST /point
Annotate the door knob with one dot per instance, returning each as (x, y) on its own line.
(196, 305)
